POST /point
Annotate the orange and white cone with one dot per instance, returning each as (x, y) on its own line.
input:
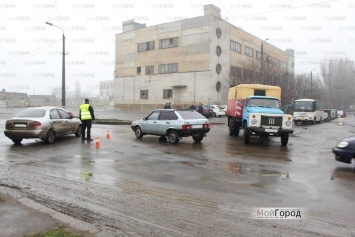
(97, 143)
(108, 136)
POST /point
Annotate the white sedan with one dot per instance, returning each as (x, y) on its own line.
(217, 111)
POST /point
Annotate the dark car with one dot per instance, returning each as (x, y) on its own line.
(206, 111)
(345, 150)
(341, 114)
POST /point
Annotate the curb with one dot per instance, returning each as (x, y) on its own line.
(67, 220)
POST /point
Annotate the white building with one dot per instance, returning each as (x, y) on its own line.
(191, 61)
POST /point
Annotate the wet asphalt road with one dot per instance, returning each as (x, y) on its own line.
(146, 187)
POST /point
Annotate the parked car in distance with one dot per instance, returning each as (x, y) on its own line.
(341, 114)
(206, 111)
(345, 150)
(45, 123)
(173, 124)
(223, 108)
(326, 117)
(217, 111)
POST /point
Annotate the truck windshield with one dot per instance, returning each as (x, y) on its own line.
(261, 102)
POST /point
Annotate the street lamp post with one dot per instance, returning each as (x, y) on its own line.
(262, 62)
(63, 65)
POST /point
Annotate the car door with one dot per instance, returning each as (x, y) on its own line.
(56, 122)
(68, 127)
(150, 125)
(166, 120)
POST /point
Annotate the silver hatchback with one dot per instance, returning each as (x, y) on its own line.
(45, 123)
(173, 124)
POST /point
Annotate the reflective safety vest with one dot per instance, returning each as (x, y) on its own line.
(85, 112)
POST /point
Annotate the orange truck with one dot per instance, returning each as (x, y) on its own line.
(256, 109)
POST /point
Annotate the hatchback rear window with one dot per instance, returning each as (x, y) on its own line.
(190, 114)
(38, 113)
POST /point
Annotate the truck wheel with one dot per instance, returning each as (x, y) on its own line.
(236, 131)
(246, 136)
(231, 125)
(284, 139)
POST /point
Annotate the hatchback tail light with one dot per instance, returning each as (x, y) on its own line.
(206, 125)
(35, 124)
(186, 126)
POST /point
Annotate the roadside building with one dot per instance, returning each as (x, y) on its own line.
(42, 100)
(107, 92)
(13, 99)
(191, 61)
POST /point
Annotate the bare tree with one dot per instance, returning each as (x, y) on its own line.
(339, 80)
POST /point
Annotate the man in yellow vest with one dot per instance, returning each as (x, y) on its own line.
(87, 117)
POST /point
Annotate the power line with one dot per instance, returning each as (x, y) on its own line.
(287, 9)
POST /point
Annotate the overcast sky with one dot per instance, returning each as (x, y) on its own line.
(30, 50)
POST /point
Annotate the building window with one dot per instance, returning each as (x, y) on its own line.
(144, 94)
(248, 51)
(235, 71)
(168, 68)
(146, 46)
(258, 55)
(236, 46)
(169, 43)
(276, 62)
(248, 74)
(268, 59)
(139, 70)
(149, 70)
(283, 65)
(167, 94)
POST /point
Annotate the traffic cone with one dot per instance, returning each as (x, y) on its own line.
(108, 136)
(97, 143)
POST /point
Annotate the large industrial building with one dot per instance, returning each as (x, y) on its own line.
(191, 61)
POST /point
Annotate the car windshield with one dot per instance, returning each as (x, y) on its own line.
(264, 102)
(190, 114)
(38, 113)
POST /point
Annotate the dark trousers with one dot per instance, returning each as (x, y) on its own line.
(86, 124)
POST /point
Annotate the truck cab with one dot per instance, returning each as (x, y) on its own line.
(256, 109)
(263, 117)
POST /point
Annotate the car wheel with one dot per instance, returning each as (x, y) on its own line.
(173, 137)
(50, 137)
(198, 138)
(284, 139)
(17, 140)
(162, 138)
(246, 135)
(138, 132)
(78, 131)
(214, 114)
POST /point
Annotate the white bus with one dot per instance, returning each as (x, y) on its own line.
(308, 111)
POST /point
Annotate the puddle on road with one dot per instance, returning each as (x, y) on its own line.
(191, 164)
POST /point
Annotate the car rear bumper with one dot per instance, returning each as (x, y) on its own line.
(343, 155)
(12, 134)
(191, 132)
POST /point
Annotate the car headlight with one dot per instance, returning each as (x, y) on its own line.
(288, 123)
(254, 121)
(342, 144)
